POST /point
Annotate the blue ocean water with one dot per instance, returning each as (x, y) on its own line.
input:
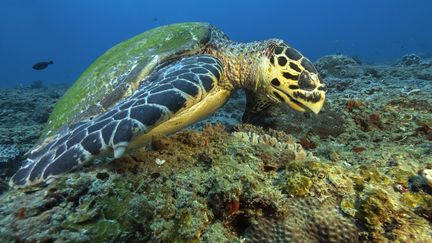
(75, 33)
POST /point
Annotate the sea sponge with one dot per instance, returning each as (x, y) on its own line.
(254, 139)
(307, 220)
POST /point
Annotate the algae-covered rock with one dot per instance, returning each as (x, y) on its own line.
(298, 185)
(8, 153)
(184, 199)
(376, 209)
(104, 230)
(409, 60)
(338, 66)
(23, 111)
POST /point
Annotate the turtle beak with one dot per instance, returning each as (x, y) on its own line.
(311, 93)
(307, 101)
(320, 92)
(312, 101)
(316, 107)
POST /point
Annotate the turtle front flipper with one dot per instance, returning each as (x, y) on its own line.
(258, 107)
(166, 101)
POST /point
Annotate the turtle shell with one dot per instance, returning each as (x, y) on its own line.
(120, 70)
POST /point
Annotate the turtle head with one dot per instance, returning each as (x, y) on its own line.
(291, 78)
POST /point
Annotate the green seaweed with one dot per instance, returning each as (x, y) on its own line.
(298, 185)
(104, 230)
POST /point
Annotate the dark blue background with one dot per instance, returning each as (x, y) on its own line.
(74, 33)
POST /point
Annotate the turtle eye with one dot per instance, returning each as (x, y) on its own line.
(279, 49)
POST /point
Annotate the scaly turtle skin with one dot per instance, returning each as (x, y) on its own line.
(159, 82)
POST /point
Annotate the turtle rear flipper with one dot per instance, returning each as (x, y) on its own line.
(162, 96)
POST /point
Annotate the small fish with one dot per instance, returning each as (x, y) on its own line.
(155, 19)
(42, 65)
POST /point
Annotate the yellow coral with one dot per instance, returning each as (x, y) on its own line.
(308, 220)
(254, 139)
(298, 185)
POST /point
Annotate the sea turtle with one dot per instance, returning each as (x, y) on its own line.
(159, 82)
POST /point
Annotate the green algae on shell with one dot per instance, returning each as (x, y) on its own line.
(117, 73)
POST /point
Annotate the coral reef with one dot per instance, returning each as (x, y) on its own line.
(409, 60)
(23, 112)
(307, 220)
(208, 186)
(8, 153)
(358, 171)
(338, 65)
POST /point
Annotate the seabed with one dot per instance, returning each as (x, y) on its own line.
(361, 170)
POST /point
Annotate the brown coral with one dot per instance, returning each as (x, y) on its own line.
(308, 220)
(425, 130)
(307, 144)
(358, 149)
(353, 104)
